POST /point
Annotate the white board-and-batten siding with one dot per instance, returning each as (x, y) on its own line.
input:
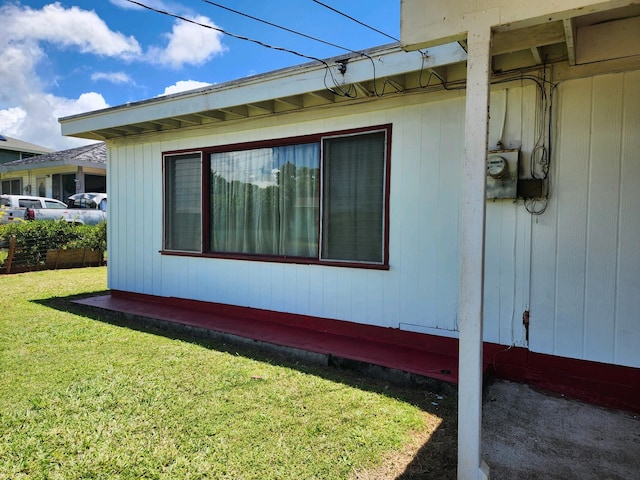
(586, 247)
(525, 267)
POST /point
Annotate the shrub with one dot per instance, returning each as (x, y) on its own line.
(33, 239)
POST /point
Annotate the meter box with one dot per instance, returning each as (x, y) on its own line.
(502, 173)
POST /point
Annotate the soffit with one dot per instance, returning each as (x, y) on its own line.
(350, 78)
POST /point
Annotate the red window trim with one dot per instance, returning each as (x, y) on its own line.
(312, 138)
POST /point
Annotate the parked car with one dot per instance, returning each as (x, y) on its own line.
(83, 208)
(14, 207)
(95, 201)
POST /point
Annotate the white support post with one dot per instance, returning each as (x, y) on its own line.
(470, 466)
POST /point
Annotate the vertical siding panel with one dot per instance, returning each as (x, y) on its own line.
(508, 277)
(112, 154)
(136, 222)
(431, 199)
(573, 196)
(345, 308)
(627, 326)
(602, 223)
(522, 265)
(316, 291)
(406, 212)
(359, 287)
(277, 286)
(374, 283)
(447, 214)
(491, 313)
(155, 220)
(330, 293)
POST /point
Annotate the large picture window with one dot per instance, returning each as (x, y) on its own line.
(313, 199)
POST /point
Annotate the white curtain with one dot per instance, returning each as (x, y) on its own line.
(266, 201)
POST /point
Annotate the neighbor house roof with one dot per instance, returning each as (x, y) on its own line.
(15, 145)
(94, 155)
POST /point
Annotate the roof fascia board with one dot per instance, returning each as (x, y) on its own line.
(420, 27)
(39, 166)
(282, 83)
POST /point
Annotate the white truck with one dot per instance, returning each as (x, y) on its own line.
(83, 208)
(14, 207)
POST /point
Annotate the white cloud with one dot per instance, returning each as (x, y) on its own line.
(66, 27)
(36, 120)
(29, 112)
(159, 4)
(113, 77)
(189, 44)
(183, 86)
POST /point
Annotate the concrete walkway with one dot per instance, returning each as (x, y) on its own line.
(531, 435)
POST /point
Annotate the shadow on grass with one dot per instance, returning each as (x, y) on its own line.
(436, 458)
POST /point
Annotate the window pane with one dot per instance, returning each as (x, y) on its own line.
(265, 201)
(353, 203)
(50, 204)
(183, 202)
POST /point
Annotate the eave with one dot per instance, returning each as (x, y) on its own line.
(385, 69)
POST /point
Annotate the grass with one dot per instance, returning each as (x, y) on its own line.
(82, 398)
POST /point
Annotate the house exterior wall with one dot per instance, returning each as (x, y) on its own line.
(32, 178)
(422, 283)
(585, 280)
(551, 264)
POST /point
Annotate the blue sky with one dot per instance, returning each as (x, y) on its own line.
(68, 57)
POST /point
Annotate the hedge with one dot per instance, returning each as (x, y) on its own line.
(33, 239)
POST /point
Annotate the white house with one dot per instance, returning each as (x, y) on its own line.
(354, 190)
(57, 174)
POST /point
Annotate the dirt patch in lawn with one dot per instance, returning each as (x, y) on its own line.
(431, 452)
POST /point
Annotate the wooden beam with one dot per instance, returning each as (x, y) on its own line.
(212, 115)
(361, 90)
(570, 39)
(190, 119)
(325, 95)
(233, 113)
(295, 101)
(439, 72)
(263, 107)
(606, 41)
(470, 465)
(536, 52)
(525, 38)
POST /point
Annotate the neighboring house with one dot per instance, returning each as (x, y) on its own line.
(59, 174)
(12, 149)
(354, 191)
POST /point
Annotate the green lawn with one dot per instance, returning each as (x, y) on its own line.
(82, 398)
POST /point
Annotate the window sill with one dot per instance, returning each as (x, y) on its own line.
(273, 259)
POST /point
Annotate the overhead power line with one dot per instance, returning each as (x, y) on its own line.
(258, 42)
(281, 27)
(356, 20)
(239, 37)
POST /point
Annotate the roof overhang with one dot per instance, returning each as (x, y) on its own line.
(354, 77)
(7, 168)
(585, 36)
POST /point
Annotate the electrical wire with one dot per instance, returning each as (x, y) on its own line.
(258, 42)
(352, 92)
(246, 15)
(356, 20)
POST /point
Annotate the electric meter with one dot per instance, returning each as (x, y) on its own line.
(497, 167)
